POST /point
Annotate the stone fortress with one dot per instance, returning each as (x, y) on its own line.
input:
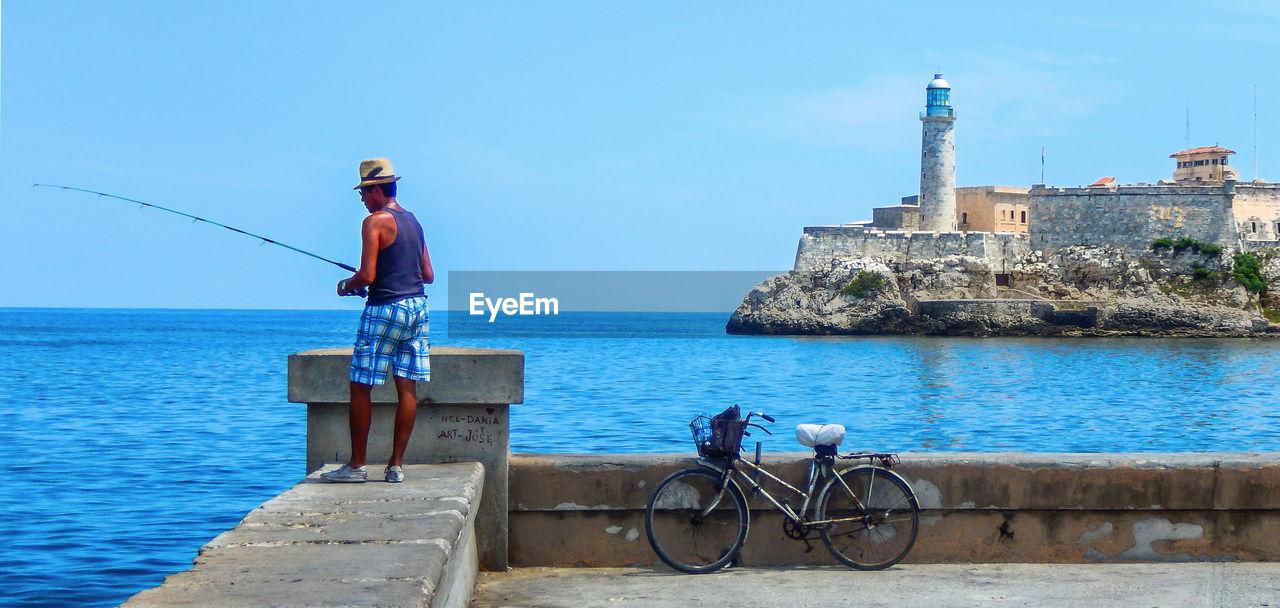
(1006, 259)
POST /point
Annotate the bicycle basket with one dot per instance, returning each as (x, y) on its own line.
(719, 436)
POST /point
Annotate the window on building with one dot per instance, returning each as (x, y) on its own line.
(1224, 160)
(1199, 163)
(1278, 230)
(1253, 227)
(1024, 217)
(964, 218)
(1215, 161)
(1002, 279)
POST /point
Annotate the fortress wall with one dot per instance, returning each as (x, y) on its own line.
(1005, 249)
(1130, 217)
(1256, 209)
(820, 244)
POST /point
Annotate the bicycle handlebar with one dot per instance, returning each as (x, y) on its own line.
(762, 415)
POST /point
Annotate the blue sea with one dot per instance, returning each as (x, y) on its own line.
(132, 437)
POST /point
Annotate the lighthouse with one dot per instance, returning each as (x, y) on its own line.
(938, 159)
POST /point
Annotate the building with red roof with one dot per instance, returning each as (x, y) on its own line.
(1208, 164)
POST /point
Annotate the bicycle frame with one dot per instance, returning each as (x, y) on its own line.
(819, 468)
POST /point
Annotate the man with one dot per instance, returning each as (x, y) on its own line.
(393, 329)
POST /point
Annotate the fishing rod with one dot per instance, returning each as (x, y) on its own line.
(201, 219)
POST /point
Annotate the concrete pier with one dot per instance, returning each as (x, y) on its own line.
(326, 544)
(462, 417)
(1217, 585)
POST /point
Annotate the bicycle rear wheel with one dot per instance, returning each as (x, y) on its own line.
(694, 524)
(876, 518)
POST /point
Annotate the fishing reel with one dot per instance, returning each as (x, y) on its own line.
(362, 292)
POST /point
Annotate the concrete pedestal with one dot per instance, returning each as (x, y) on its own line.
(462, 417)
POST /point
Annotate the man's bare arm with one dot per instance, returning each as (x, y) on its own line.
(428, 274)
(371, 238)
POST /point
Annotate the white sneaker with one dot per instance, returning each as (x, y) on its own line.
(346, 474)
(395, 474)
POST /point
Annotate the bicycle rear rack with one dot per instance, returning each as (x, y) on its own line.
(886, 460)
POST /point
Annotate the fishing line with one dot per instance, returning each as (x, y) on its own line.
(195, 218)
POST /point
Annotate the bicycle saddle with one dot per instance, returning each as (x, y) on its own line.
(814, 435)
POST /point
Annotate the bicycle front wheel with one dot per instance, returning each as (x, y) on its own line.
(874, 518)
(695, 524)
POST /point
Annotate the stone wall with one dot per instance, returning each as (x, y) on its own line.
(1256, 208)
(588, 510)
(1130, 217)
(819, 245)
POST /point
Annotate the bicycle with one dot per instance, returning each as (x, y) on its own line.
(697, 519)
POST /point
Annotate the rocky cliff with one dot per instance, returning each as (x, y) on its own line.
(1076, 291)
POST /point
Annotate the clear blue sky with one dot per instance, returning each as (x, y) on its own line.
(565, 135)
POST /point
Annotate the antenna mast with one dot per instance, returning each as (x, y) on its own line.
(1188, 147)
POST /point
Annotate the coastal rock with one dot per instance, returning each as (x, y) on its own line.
(810, 302)
(1081, 290)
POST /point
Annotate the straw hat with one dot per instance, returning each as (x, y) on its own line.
(376, 171)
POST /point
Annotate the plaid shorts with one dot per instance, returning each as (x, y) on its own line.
(392, 335)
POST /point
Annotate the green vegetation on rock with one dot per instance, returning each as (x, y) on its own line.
(1185, 243)
(1249, 272)
(1272, 314)
(865, 283)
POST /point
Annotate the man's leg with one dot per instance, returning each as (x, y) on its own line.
(358, 419)
(406, 413)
